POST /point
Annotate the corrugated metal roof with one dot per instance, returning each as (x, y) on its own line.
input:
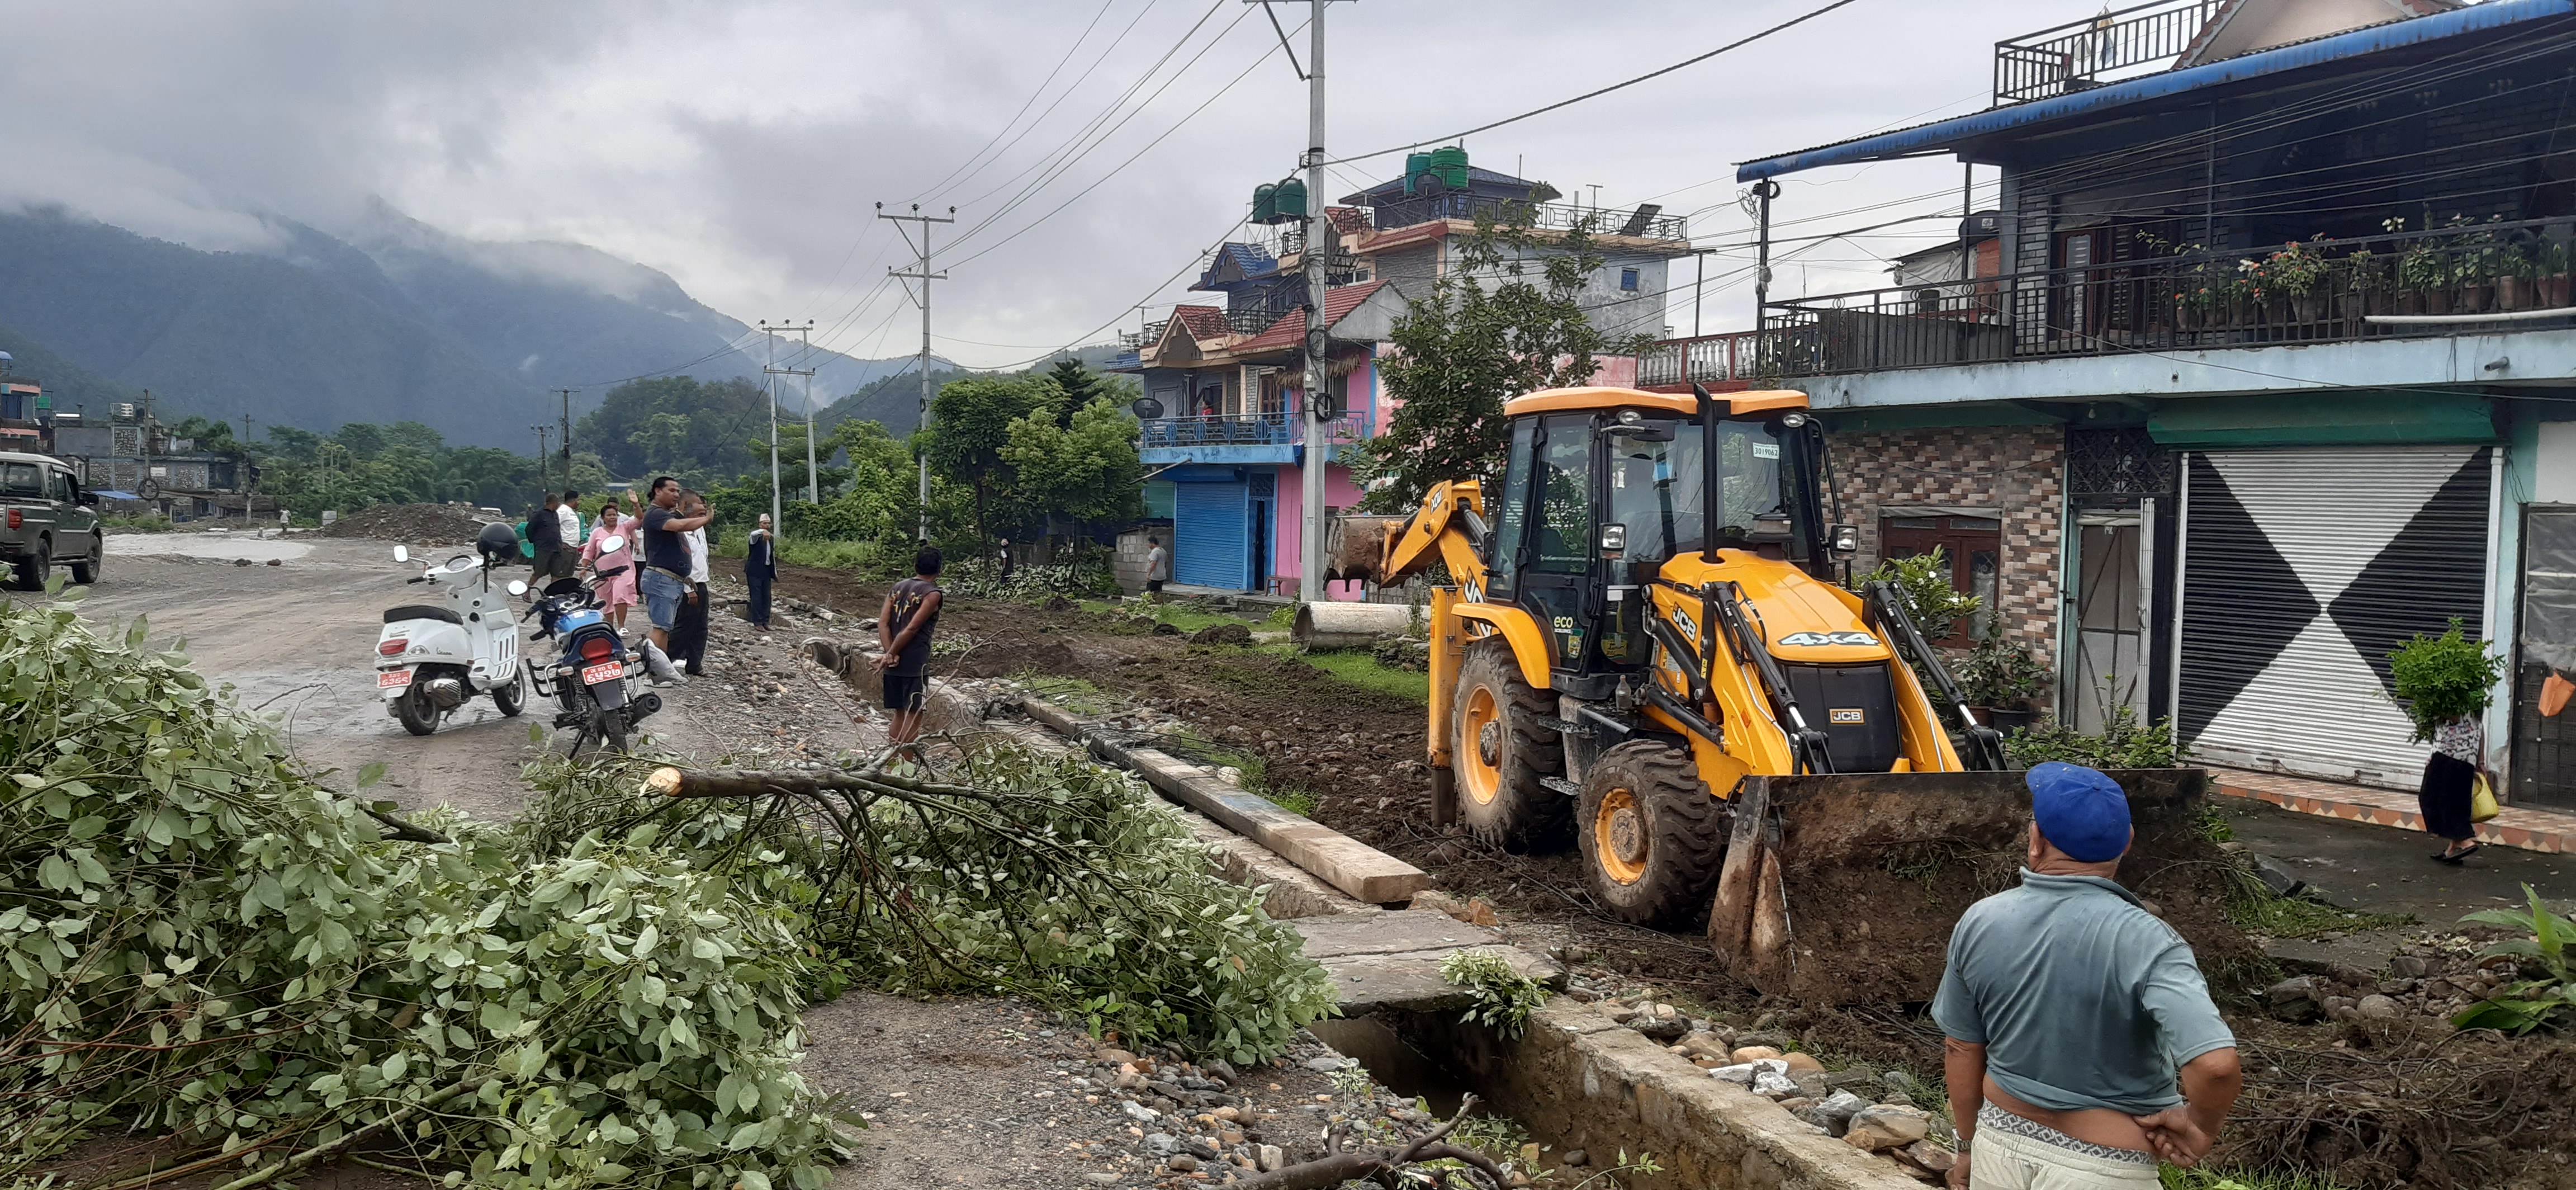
(1933, 137)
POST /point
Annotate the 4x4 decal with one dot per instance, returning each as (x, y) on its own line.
(1811, 639)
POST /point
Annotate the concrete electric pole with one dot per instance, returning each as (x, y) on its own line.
(777, 523)
(566, 439)
(1318, 251)
(922, 295)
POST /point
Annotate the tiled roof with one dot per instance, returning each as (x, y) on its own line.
(1205, 324)
(1290, 329)
(1348, 220)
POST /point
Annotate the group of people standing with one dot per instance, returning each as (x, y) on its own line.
(664, 532)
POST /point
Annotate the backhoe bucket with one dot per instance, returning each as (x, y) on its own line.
(1844, 888)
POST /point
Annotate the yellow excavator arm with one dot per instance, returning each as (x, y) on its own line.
(1448, 528)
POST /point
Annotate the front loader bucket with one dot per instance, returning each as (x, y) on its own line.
(1843, 888)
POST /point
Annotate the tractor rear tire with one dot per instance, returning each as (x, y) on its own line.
(1500, 758)
(1650, 834)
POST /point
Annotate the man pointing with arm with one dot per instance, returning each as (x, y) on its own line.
(2070, 1014)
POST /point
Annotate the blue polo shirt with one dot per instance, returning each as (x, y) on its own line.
(2081, 997)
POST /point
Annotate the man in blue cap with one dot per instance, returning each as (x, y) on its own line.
(2071, 1013)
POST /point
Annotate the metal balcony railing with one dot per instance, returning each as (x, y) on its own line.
(2316, 291)
(1240, 429)
(1646, 221)
(1706, 359)
(2083, 54)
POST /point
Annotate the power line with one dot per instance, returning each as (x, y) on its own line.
(1052, 104)
(1027, 103)
(1737, 44)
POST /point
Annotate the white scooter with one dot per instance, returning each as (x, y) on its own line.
(431, 657)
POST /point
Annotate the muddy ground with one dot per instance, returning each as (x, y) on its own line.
(2396, 1097)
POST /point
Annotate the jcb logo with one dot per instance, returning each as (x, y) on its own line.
(1852, 715)
(1810, 639)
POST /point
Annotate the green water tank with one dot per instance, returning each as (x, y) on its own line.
(1290, 197)
(1415, 165)
(1265, 203)
(1450, 162)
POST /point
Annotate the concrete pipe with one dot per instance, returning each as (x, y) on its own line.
(1348, 625)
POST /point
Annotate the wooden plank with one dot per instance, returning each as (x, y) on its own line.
(1337, 859)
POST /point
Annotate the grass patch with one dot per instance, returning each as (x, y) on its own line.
(1362, 670)
(1187, 619)
(2303, 917)
(1254, 766)
(2176, 1178)
(1073, 694)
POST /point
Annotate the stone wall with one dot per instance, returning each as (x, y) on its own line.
(2014, 473)
(1580, 1082)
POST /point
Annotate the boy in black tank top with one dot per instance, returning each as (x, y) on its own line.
(904, 627)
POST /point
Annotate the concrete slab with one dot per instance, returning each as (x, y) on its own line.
(1392, 959)
(1345, 863)
(1393, 932)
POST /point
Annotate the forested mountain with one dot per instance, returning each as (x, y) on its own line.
(397, 322)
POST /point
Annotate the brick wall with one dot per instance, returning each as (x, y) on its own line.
(2013, 473)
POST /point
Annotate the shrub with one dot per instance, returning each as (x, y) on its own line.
(1504, 998)
(2123, 744)
(2441, 678)
(2531, 1003)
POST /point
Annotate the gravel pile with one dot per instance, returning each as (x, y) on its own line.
(410, 524)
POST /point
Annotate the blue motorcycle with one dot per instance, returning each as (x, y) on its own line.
(594, 676)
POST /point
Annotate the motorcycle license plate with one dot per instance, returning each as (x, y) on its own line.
(392, 678)
(605, 671)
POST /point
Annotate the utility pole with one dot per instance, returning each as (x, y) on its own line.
(1319, 248)
(1764, 190)
(566, 394)
(922, 295)
(248, 485)
(777, 521)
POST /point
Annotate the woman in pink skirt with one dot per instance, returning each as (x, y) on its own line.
(618, 593)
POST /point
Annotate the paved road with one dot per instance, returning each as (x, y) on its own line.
(297, 640)
(2385, 870)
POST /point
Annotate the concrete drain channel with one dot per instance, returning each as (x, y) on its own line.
(1575, 1079)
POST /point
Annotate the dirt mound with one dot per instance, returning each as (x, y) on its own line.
(410, 524)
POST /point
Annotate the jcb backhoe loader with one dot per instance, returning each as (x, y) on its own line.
(1644, 654)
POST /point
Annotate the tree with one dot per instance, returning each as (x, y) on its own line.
(970, 423)
(1087, 472)
(1079, 386)
(678, 425)
(1490, 330)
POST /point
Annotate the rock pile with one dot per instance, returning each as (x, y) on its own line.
(2435, 976)
(410, 524)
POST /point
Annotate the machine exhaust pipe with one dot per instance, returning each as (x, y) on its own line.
(448, 693)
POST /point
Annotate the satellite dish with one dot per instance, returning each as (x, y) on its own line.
(1146, 408)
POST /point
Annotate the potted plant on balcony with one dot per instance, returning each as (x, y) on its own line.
(2365, 278)
(2513, 272)
(2476, 253)
(2292, 276)
(2423, 276)
(2549, 274)
(2003, 682)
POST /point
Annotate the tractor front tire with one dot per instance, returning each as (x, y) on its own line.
(1649, 833)
(1500, 758)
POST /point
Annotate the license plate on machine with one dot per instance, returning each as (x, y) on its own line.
(605, 671)
(392, 678)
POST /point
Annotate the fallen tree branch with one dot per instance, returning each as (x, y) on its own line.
(1338, 1167)
(405, 831)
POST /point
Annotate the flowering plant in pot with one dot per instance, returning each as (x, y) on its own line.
(2365, 277)
(2294, 273)
(2549, 274)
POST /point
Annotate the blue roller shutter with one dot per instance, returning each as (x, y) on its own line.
(1212, 535)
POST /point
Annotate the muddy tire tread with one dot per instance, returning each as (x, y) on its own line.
(1526, 816)
(1684, 850)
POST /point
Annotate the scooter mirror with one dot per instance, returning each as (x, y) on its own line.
(517, 588)
(401, 554)
(611, 544)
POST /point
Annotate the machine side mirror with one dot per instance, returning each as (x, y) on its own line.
(88, 499)
(1614, 539)
(402, 554)
(517, 588)
(611, 543)
(1846, 540)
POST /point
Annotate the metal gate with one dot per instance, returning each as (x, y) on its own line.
(1212, 535)
(2301, 569)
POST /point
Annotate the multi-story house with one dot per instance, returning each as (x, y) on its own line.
(1223, 408)
(2264, 362)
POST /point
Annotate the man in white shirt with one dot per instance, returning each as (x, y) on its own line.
(569, 516)
(1158, 563)
(689, 636)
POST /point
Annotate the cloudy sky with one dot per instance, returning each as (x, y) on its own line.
(741, 146)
